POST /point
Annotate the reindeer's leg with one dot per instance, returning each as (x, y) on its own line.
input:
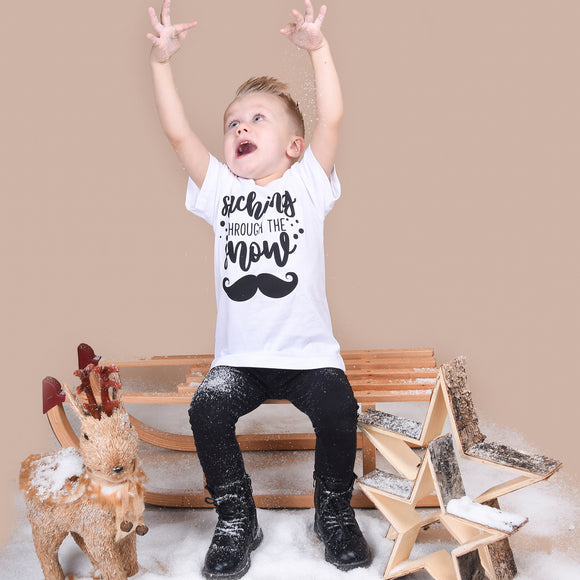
(81, 544)
(128, 552)
(46, 544)
(104, 554)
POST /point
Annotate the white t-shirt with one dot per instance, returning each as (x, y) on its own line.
(272, 310)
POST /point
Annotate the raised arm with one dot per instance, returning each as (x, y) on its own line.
(305, 32)
(166, 42)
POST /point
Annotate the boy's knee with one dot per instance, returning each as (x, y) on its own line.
(212, 402)
(338, 405)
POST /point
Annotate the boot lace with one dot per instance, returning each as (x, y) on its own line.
(338, 515)
(231, 521)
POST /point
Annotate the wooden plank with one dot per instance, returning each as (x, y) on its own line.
(401, 373)
(393, 396)
(357, 387)
(390, 385)
(404, 363)
(136, 398)
(368, 396)
(387, 353)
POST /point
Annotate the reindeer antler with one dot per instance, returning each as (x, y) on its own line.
(90, 407)
(108, 405)
(96, 378)
(88, 367)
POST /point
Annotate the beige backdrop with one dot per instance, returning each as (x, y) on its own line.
(457, 228)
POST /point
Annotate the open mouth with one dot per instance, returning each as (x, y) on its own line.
(245, 148)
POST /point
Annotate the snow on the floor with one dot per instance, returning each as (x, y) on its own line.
(546, 548)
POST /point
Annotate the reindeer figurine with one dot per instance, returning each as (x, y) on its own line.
(96, 492)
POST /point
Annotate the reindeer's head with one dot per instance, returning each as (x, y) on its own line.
(107, 441)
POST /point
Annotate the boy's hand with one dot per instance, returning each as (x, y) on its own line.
(167, 38)
(305, 31)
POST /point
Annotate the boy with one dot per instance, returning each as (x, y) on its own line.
(273, 335)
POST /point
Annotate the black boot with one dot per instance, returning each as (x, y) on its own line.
(236, 534)
(336, 526)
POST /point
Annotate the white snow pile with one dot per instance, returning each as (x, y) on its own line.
(52, 471)
(547, 548)
(485, 515)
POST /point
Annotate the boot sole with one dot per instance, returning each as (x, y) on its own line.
(238, 573)
(343, 567)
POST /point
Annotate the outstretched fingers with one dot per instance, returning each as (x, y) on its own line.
(321, 15)
(163, 28)
(298, 18)
(301, 20)
(166, 13)
(308, 11)
(305, 32)
(309, 14)
(157, 26)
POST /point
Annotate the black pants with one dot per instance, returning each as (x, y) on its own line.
(227, 393)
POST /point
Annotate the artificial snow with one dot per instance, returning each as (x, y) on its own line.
(485, 515)
(389, 483)
(393, 423)
(52, 472)
(547, 548)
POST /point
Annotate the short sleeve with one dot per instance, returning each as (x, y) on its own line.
(203, 202)
(323, 190)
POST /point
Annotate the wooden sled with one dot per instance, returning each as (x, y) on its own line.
(376, 376)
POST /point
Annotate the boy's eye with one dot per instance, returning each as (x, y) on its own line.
(258, 117)
(233, 124)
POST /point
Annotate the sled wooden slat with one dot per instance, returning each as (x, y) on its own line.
(376, 376)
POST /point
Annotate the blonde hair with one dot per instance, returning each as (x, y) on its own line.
(273, 86)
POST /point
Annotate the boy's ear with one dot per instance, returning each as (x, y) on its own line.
(296, 147)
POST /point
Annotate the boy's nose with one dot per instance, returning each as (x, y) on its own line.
(242, 128)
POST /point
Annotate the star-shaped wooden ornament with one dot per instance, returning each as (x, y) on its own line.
(473, 526)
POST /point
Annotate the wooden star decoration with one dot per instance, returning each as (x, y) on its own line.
(473, 526)
(481, 531)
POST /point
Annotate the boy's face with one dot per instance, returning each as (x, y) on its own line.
(260, 142)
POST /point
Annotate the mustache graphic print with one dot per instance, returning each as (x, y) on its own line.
(268, 284)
